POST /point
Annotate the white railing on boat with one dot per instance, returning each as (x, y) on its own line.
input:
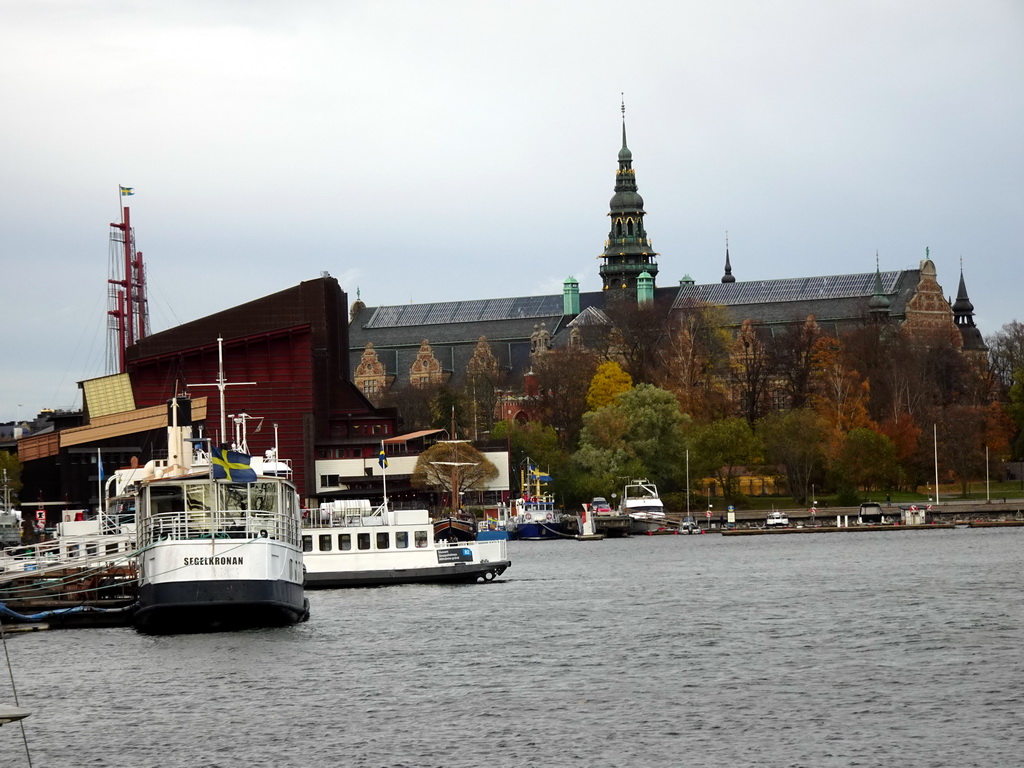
(96, 551)
(220, 524)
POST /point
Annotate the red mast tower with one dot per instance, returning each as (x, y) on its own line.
(127, 305)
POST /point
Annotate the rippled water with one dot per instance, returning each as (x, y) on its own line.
(896, 649)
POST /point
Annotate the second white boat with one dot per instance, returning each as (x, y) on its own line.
(350, 544)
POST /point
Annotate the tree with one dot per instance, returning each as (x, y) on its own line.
(10, 465)
(723, 446)
(537, 442)
(840, 392)
(867, 460)
(563, 379)
(792, 352)
(641, 333)
(753, 370)
(797, 440)
(1006, 352)
(1015, 410)
(697, 360)
(639, 435)
(608, 383)
(445, 462)
(963, 433)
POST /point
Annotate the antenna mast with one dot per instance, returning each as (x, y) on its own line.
(127, 303)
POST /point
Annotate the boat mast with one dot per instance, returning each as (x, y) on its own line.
(222, 384)
(455, 469)
(128, 306)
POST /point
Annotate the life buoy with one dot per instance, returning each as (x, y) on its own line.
(550, 516)
(529, 516)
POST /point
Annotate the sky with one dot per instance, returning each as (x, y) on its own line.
(451, 150)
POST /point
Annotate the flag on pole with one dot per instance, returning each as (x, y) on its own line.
(127, 191)
(382, 459)
(232, 465)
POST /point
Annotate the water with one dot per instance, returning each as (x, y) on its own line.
(898, 649)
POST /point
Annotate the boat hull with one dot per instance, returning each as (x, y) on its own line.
(213, 606)
(539, 531)
(456, 573)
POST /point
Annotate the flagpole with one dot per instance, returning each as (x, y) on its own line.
(384, 473)
(99, 481)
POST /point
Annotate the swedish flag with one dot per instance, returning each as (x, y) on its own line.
(127, 191)
(382, 458)
(232, 465)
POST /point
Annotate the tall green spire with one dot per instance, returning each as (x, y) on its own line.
(628, 250)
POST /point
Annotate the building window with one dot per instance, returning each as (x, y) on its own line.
(363, 540)
(345, 542)
(325, 542)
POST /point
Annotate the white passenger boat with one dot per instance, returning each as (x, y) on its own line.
(641, 502)
(777, 520)
(350, 544)
(215, 553)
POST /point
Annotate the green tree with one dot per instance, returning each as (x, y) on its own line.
(609, 382)
(723, 446)
(639, 435)
(797, 440)
(867, 460)
(10, 465)
(537, 442)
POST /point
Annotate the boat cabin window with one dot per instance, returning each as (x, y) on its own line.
(307, 543)
(111, 549)
(236, 496)
(325, 542)
(402, 539)
(164, 499)
(363, 540)
(383, 540)
(198, 497)
(421, 538)
(345, 542)
(264, 496)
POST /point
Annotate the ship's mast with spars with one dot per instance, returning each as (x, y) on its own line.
(127, 304)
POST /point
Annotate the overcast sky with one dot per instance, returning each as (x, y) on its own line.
(443, 150)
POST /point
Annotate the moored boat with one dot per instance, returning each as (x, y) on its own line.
(218, 535)
(537, 519)
(349, 544)
(641, 502)
(777, 520)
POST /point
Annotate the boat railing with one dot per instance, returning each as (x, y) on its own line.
(93, 551)
(217, 524)
(321, 518)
